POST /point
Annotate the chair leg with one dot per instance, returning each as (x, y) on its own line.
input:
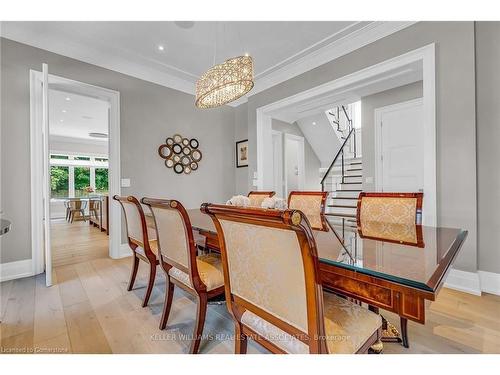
(404, 332)
(240, 340)
(71, 216)
(133, 274)
(83, 215)
(200, 323)
(152, 274)
(169, 295)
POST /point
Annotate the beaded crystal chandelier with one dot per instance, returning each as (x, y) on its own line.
(225, 82)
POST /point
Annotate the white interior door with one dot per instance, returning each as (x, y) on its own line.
(400, 147)
(46, 175)
(294, 163)
(278, 162)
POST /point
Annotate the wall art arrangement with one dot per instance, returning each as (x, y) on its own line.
(181, 154)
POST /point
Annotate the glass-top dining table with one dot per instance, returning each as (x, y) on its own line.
(389, 266)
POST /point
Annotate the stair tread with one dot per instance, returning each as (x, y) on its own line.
(353, 175)
(356, 198)
(340, 215)
(351, 183)
(340, 206)
(355, 169)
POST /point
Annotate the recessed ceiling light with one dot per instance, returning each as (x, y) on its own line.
(314, 123)
(161, 48)
(68, 98)
(63, 111)
(85, 117)
(98, 135)
(61, 120)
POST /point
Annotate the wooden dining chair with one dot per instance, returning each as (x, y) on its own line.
(257, 197)
(391, 212)
(94, 209)
(76, 206)
(311, 203)
(142, 246)
(273, 290)
(199, 275)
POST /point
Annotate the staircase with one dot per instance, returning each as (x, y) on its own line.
(343, 178)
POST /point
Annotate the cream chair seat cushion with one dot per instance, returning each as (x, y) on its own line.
(209, 269)
(347, 325)
(153, 245)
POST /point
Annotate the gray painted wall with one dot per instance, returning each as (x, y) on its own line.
(368, 106)
(488, 138)
(241, 133)
(311, 161)
(455, 99)
(149, 113)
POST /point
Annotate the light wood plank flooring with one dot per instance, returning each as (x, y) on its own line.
(76, 242)
(90, 311)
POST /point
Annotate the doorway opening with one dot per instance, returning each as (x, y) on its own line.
(75, 169)
(337, 120)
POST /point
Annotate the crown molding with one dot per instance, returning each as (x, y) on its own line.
(353, 37)
(340, 47)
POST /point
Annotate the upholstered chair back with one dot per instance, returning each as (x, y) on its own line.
(172, 234)
(134, 219)
(257, 197)
(311, 203)
(269, 260)
(390, 208)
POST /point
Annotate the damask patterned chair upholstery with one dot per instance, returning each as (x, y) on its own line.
(256, 197)
(390, 208)
(200, 275)
(272, 289)
(311, 203)
(142, 246)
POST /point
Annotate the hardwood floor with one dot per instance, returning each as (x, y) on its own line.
(76, 242)
(88, 310)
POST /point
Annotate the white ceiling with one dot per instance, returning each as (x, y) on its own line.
(280, 50)
(77, 117)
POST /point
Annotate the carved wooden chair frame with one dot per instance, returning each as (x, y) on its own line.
(199, 289)
(148, 256)
(291, 220)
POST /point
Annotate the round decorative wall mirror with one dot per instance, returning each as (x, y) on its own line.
(180, 153)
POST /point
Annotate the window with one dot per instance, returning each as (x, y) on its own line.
(82, 181)
(81, 158)
(101, 180)
(101, 159)
(59, 182)
(65, 157)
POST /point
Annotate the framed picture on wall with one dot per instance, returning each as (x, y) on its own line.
(242, 154)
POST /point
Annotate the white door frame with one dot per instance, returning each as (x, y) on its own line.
(425, 55)
(301, 166)
(279, 136)
(430, 193)
(36, 165)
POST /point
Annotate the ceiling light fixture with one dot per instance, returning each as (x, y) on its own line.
(63, 111)
(226, 82)
(314, 123)
(98, 135)
(68, 98)
(161, 48)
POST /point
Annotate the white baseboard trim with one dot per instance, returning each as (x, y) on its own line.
(464, 281)
(125, 251)
(490, 282)
(473, 282)
(16, 270)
